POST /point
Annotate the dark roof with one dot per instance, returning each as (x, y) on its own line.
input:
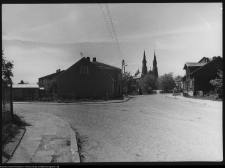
(207, 64)
(104, 66)
(193, 64)
(94, 65)
(57, 73)
(25, 86)
(137, 77)
(204, 58)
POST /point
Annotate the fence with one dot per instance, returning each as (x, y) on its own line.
(7, 105)
(61, 97)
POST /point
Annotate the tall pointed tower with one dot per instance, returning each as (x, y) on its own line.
(144, 67)
(155, 69)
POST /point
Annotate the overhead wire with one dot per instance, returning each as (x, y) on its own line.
(32, 46)
(110, 31)
(113, 29)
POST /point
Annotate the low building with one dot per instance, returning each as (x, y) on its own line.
(199, 74)
(25, 92)
(86, 79)
(44, 82)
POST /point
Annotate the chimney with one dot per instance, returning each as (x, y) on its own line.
(59, 70)
(56, 70)
(94, 59)
(88, 58)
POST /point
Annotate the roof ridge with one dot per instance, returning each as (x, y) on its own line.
(204, 65)
(106, 64)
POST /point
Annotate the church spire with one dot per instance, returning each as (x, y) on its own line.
(144, 59)
(155, 69)
(154, 56)
(144, 67)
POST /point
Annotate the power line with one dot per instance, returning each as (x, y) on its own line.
(111, 34)
(113, 29)
(32, 46)
(109, 28)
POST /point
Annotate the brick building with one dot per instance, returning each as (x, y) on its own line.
(86, 79)
(199, 74)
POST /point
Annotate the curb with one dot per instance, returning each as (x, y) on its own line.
(8, 155)
(50, 103)
(73, 141)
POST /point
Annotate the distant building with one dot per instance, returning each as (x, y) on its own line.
(44, 81)
(86, 79)
(137, 77)
(155, 68)
(25, 92)
(199, 74)
(144, 66)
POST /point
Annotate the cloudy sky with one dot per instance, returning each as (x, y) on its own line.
(41, 38)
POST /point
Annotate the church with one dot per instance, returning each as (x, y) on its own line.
(154, 70)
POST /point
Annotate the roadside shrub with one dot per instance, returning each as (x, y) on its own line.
(19, 121)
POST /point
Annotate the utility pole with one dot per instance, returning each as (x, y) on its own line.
(81, 54)
(123, 64)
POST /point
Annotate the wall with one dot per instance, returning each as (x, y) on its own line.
(24, 93)
(84, 85)
(202, 84)
(118, 82)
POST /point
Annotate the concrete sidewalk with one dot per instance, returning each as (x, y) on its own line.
(49, 140)
(210, 103)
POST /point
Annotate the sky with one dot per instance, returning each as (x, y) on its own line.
(41, 38)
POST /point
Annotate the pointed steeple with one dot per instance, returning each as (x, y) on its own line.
(154, 56)
(144, 58)
(144, 67)
(155, 69)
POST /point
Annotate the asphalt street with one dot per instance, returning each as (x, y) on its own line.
(145, 128)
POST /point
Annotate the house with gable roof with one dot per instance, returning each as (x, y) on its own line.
(90, 79)
(199, 74)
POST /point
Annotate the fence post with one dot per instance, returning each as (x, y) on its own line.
(11, 102)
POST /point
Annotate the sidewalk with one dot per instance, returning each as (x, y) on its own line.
(49, 140)
(193, 100)
(81, 102)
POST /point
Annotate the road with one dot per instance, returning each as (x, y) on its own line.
(145, 128)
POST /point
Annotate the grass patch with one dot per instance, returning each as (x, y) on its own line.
(11, 130)
(19, 121)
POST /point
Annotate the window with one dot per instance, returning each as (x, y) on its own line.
(84, 70)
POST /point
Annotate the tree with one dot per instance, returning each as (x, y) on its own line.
(166, 82)
(148, 83)
(178, 81)
(128, 82)
(218, 83)
(6, 69)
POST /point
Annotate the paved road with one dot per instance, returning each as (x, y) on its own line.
(145, 128)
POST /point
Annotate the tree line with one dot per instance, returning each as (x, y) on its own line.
(149, 82)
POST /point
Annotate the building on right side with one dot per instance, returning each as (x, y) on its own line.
(199, 74)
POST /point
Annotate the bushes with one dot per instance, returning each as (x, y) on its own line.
(19, 121)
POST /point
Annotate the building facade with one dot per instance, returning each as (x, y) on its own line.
(25, 92)
(199, 74)
(44, 82)
(86, 79)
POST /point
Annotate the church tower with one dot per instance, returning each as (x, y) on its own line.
(144, 67)
(155, 69)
